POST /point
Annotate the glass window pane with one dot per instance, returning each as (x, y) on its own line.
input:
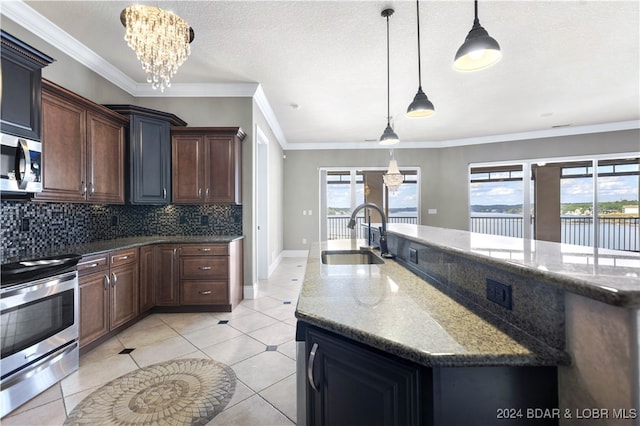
(618, 214)
(576, 210)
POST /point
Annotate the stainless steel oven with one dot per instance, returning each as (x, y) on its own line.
(38, 327)
(20, 165)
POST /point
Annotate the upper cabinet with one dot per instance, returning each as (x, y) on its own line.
(82, 149)
(149, 151)
(207, 165)
(21, 72)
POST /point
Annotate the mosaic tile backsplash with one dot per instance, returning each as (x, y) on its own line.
(33, 226)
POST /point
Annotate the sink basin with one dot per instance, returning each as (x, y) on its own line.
(350, 257)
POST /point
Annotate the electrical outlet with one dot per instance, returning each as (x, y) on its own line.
(304, 241)
(114, 220)
(24, 224)
(182, 219)
(413, 255)
(500, 293)
(204, 220)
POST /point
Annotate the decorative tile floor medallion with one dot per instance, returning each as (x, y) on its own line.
(177, 392)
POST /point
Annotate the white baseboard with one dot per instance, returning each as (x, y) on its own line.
(295, 253)
(275, 264)
(250, 291)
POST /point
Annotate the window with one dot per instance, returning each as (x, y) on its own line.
(574, 206)
(344, 189)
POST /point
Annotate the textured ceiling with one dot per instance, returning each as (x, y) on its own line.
(565, 63)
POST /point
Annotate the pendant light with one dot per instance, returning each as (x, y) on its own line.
(393, 178)
(479, 50)
(421, 105)
(389, 137)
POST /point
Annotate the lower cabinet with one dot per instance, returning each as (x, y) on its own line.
(147, 293)
(352, 385)
(199, 275)
(166, 273)
(348, 383)
(108, 286)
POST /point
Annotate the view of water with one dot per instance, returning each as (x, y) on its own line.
(614, 233)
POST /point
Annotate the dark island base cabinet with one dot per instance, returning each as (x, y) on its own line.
(356, 384)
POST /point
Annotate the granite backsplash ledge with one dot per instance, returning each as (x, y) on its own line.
(31, 227)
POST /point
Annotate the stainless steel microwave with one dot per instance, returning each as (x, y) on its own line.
(20, 164)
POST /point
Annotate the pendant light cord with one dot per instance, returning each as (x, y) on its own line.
(476, 21)
(388, 70)
(419, 64)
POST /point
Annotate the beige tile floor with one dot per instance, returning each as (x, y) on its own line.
(266, 385)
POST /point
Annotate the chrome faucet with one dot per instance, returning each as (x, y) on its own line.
(384, 251)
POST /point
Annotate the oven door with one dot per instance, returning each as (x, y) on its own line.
(37, 318)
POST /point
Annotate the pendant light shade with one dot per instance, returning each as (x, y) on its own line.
(421, 105)
(479, 50)
(389, 137)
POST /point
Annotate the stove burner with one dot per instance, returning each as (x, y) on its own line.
(33, 269)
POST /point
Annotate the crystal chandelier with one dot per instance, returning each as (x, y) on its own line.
(393, 178)
(160, 39)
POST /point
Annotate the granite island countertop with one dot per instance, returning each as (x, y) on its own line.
(104, 246)
(388, 307)
(608, 276)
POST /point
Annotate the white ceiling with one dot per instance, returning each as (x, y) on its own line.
(573, 64)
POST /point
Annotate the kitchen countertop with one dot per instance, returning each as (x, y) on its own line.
(609, 276)
(103, 246)
(390, 308)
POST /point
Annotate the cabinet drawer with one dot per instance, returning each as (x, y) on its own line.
(208, 249)
(90, 264)
(204, 267)
(123, 257)
(203, 292)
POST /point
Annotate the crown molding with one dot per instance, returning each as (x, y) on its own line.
(265, 107)
(509, 137)
(32, 21)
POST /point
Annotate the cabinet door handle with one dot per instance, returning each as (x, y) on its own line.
(206, 194)
(174, 253)
(115, 278)
(204, 249)
(123, 257)
(204, 293)
(164, 193)
(93, 265)
(205, 268)
(107, 281)
(199, 192)
(312, 358)
(93, 188)
(84, 187)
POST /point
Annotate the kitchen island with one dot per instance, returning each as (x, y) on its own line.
(429, 308)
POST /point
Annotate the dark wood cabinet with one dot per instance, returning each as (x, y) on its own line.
(83, 149)
(93, 280)
(211, 274)
(124, 287)
(149, 153)
(108, 299)
(207, 165)
(167, 276)
(21, 66)
(356, 385)
(147, 294)
(349, 383)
